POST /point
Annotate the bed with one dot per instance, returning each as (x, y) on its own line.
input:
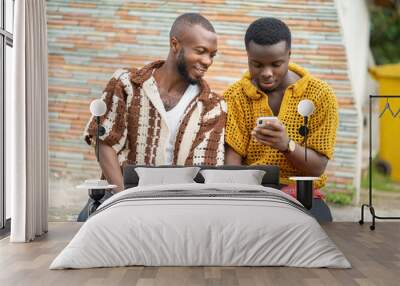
(201, 224)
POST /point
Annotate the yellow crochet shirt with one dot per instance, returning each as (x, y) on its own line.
(246, 103)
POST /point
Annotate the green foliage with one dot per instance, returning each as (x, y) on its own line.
(385, 34)
(380, 182)
(339, 198)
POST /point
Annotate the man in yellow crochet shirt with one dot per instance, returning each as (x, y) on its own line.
(273, 86)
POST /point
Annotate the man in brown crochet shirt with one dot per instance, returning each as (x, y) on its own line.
(165, 112)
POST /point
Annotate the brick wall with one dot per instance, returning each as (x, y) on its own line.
(88, 40)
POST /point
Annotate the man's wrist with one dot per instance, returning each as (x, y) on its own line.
(290, 147)
(286, 146)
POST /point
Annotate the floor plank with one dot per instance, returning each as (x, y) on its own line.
(374, 255)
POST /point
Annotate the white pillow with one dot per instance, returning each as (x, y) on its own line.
(166, 176)
(249, 177)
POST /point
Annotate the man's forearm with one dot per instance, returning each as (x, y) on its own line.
(110, 166)
(315, 164)
(231, 156)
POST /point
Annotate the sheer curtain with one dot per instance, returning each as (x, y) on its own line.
(26, 123)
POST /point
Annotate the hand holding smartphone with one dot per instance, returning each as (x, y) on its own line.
(271, 132)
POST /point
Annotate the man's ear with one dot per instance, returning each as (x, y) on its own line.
(174, 44)
(290, 53)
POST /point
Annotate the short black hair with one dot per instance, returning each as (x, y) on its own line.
(189, 19)
(268, 31)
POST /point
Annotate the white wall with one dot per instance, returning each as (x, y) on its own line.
(355, 24)
(9, 72)
(354, 19)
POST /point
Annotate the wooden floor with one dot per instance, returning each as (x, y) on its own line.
(374, 255)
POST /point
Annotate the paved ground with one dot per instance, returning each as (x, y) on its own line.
(385, 204)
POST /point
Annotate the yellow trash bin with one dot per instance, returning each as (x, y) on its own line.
(388, 77)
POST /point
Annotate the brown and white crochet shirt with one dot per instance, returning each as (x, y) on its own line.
(137, 130)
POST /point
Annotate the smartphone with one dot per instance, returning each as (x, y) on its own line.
(263, 119)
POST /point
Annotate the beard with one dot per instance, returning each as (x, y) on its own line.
(183, 68)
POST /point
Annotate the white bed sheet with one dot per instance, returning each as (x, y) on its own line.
(200, 231)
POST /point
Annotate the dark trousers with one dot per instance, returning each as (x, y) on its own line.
(84, 214)
(321, 211)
